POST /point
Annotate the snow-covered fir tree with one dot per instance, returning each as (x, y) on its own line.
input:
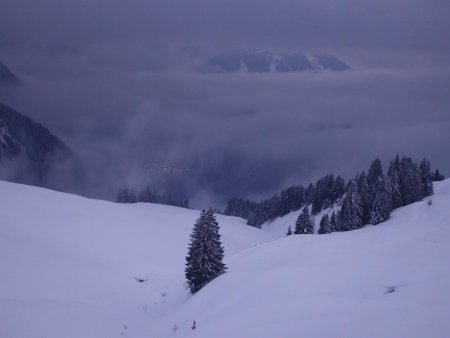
(205, 254)
(352, 213)
(325, 226)
(334, 222)
(426, 178)
(344, 217)
(410, 181)
(364, 193)
(394, 183)
(304, 224)
(327, 190)
(374, 179)
(375, 173)
(380, 211)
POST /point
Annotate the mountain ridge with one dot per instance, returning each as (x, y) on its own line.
(28, 148)
(274, 62)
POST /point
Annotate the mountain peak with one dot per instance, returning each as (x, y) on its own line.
(270, 62)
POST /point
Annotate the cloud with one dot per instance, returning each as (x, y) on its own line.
(144, 33)
(114, 80)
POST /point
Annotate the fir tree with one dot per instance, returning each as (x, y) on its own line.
(380, 209)
(185, 204)
(345, 218)
(437, 176)
(394, 183)
(204, 259)
(289, 232)
(304, 224)
(325, 226)
(426, 178)
(147, 196)
(374, 179)
(364, 193)
(375, 173)
(126, 195)
(339, 188)
(333, 222)
(410, 181)
(352, 213)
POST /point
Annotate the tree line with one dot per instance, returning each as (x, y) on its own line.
(367, 198)
(370, 198)
(147, 195)
(323, 194)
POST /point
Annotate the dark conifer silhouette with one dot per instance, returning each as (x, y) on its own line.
(289, 232)
(147, 195)
(437, 176)
(426, 178)
(126, 195)
(380, 208)
(365, 199)
(205, 254)
(304, 224)
(325, 226)
(352, 212)
(334, 226)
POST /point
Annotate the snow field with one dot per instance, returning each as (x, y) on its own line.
(69, 267)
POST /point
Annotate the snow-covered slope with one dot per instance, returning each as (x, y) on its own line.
(68, 264)
(68, 268)
(390, 280)
(280, 225)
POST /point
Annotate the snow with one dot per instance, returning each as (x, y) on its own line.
(312, 58)
(68, 264)
(68, 268)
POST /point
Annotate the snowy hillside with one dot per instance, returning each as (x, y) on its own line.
(280, 225)
(68, 264)
(68, 269)
(389, 280)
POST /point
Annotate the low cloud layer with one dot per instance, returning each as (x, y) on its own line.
(114, 80)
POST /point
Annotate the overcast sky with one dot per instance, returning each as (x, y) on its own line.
(115, 80)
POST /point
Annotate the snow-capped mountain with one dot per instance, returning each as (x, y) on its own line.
(7, 76)
(76, 267)
(265, 62)
(28, 148)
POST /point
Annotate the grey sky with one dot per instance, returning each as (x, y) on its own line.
(114, 79)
